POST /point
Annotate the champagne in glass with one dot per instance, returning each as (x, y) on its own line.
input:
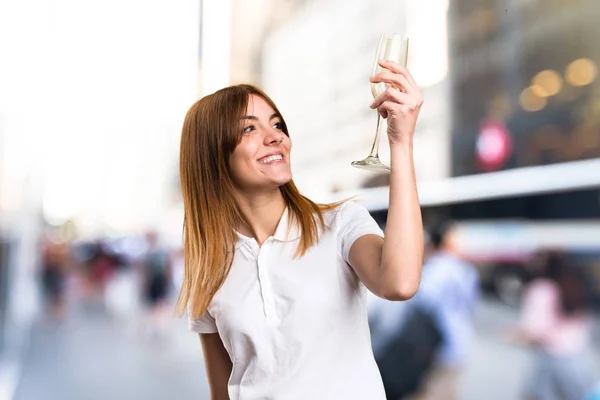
(392, 47)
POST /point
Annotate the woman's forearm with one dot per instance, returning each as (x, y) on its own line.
(402, 253)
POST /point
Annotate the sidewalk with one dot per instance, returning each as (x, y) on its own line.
(94, 357)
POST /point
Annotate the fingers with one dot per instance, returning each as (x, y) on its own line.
(397, 97)
(394, 80)
(402, 97)
(397, 68)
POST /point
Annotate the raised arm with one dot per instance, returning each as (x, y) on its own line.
(218, 365)
(391, 267)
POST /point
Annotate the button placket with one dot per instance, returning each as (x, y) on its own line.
(263, 276)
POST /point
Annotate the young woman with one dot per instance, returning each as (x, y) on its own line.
(275, 284)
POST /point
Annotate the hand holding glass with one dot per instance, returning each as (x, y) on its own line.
(392, 47)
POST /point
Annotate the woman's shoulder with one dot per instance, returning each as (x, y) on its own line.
(344, 207)
(352, 218)
(339, 212)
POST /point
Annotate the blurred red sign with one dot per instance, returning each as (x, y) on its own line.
(493, 146)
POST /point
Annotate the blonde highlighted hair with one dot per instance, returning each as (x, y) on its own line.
(211, 131)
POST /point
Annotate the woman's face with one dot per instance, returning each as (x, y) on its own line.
(262, 158)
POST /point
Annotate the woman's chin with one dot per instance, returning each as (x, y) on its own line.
(283, 180)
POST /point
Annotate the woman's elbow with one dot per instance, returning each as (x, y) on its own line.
(400, 292)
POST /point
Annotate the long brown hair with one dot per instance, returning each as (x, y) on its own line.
(210, 133)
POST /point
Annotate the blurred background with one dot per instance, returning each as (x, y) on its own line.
(92, 99)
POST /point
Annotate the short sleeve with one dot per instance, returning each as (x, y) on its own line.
(353, 222)
(205, 324)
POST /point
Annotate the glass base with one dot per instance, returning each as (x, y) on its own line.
(371, 164)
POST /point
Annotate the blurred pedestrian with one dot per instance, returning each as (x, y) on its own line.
(406, 338)
(157, 278)
(275, 283)
(101, 268)
(450, 291)
(54, 262)
(556, 321)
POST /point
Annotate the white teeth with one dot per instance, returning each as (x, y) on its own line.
(272, 158)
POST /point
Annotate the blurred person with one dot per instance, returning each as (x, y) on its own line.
(450, 291)
(54, 276)
(101, 267)
(405, 341)
(405, 338)
(274, 283)
(556, 320)
(156, 278)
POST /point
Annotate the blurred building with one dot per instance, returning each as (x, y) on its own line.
(109, 104)
(526, 107)
(531, 66)
(20, 230)
(20, 186)
(92, 100)
(525, 133)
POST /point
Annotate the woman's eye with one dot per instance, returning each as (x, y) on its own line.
(248, 129)
(278, 125)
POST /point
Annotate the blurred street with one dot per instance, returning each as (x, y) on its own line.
(92, 356)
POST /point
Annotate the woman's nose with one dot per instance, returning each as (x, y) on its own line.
(274, 137)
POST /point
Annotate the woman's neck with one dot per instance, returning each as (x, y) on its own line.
(261, 213)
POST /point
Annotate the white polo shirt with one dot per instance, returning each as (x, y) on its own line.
(297, 329)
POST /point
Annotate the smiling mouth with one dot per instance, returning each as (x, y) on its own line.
(271, 159)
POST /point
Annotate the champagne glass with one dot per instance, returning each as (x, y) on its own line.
(392, 47)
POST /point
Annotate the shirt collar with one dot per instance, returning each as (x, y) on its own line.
(283, 233)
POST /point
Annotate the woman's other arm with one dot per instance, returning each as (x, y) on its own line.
(218, 365)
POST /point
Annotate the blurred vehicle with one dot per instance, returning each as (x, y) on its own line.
(504, 251)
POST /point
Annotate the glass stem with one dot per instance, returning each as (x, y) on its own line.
(375, 149)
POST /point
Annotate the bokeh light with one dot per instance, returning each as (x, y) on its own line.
(530, 101)
(548, 82)
(581, 72)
